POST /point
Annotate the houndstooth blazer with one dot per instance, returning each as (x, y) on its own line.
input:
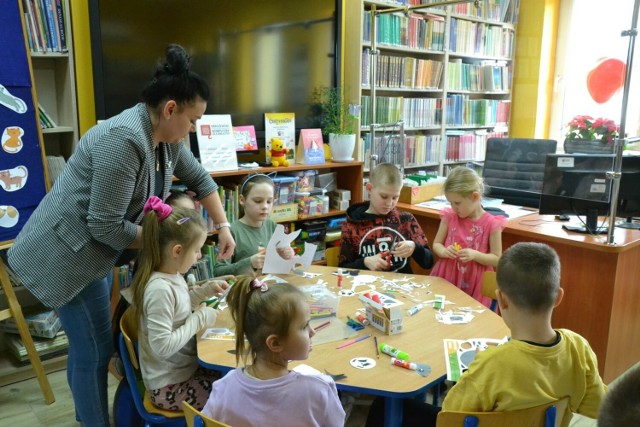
(89, 217)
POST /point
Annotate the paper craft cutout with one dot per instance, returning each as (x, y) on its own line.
(363, 362)
(9, 216)
(460, 353)
(12, 139)
(13, 179)
(275, 264)
(12, 102)
(218, 334)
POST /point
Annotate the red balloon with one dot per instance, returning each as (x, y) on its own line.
(606, 79)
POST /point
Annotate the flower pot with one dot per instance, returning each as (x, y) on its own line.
(587, 146)
(342, 147)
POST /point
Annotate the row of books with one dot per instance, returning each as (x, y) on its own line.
(46, 122)
(46, 347)
(479, 38)
(45, 20)
(468, 146)
(418, 113)
(488, 76)
(416, 31)
(205, 267)
(464, 111)
(402, 72)
(417, 150)
(491, 10)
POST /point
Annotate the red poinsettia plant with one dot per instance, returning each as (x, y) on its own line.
(588, 128)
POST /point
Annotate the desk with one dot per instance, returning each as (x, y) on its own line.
(421, 337)
(602, 293)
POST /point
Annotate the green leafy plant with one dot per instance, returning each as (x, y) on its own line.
(585, 127)
(336, 116)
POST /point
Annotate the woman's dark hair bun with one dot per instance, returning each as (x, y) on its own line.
(178, 60)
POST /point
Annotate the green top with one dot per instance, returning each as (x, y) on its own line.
(247, 241)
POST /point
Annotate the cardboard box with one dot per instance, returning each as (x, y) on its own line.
(340, 205)
(386, 315)
(45, 324)
(287, 212)
(420, 194)
(340, 194)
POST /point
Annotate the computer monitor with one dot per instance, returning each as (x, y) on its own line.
(576, 184)
(628, 205)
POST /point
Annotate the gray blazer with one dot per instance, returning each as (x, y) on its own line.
(89, 217)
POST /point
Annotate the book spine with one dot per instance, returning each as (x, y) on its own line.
(61, 26)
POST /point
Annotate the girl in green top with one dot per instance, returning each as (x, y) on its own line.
(254, 229)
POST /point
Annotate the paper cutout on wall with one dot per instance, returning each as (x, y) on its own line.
(606, 79)
(274, 263)
(12, 102)
(12, 139)
(13, 179)
(9, 216)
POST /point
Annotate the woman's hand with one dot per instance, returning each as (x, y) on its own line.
(404, 249)
(226, 244)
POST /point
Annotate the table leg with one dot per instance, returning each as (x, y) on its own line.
(392, 412)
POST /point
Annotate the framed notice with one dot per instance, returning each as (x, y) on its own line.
(216, 142)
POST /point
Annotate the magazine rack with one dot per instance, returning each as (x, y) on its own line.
(15, 311)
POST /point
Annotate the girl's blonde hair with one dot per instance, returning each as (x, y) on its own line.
(260, 310)
(464, 181)
(182, 227)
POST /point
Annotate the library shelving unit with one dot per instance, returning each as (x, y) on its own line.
(55, 85)
(445, 72)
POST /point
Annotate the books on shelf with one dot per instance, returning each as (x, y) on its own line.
(43, 323)
(46, 122)
(46, 347)
(45, 25)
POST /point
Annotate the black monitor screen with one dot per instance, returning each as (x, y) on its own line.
(629, 191)
(576, 184)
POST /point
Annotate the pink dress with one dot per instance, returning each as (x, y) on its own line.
(472, 234)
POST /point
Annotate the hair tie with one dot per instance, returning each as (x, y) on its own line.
(258, 284)
(270, 175)
(154, 203)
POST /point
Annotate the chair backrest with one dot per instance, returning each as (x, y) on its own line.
(548, 415)
(332, 255)
(195, 418)
(489, 286)
(514, 169)
(129, 354)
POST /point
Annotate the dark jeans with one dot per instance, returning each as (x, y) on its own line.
(86, 320)
(416, 413)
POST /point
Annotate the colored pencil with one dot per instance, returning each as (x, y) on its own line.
(375, 342)
(324, 325)
(353, 341)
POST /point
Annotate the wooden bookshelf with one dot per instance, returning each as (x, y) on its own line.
(437, 134)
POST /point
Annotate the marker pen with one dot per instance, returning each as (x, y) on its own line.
(393, 352)
(404, 364)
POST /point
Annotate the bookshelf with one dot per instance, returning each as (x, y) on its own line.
(54, 78)
(446, 72)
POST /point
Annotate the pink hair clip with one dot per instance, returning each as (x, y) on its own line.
(258, 284)
(154, 203)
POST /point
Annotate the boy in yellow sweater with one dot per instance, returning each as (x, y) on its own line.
(537, 365)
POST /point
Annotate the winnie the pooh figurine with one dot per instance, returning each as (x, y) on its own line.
(278, 153)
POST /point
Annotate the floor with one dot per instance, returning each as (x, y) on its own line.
(22, 404)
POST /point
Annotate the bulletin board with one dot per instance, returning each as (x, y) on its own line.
(22, 171)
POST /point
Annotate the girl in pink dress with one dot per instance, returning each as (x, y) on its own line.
(469, 240)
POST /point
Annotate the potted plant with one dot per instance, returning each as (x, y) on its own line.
(586, 135)
(338, 119)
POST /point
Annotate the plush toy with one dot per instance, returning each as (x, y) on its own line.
(278, 153)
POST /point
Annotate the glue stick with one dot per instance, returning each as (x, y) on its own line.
(339, 277)
(413, 310)
(361, 318)
(404, 364)
(393, 352)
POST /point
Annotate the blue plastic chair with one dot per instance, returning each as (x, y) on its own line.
(151, 415)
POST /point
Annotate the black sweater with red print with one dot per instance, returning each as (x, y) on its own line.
(365, 234)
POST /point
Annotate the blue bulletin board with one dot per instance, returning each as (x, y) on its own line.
(22, 183)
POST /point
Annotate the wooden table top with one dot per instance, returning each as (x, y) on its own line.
(422, 337)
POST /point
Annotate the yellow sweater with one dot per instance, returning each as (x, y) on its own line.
(518, 375)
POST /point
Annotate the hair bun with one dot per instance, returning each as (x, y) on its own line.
(177, 60)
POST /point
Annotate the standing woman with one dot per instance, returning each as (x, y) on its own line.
(91, 215)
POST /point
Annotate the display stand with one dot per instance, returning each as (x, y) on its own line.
(15, 311)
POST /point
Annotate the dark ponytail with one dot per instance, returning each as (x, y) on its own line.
(173, 79)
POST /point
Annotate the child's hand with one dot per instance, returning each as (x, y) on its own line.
(257, 260)
(210, 314)
(467, 254)
(404, 249)
(286, 252)
(217, 286)
(377, 263)
(450, 252)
